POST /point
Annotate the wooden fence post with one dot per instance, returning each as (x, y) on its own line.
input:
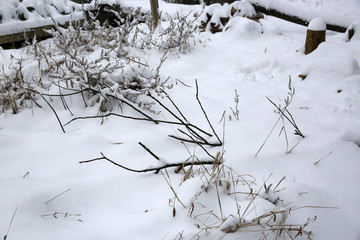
(316, 34)
(155, 11)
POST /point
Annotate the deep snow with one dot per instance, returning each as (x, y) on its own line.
(106, 202)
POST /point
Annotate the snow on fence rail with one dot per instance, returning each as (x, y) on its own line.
(289, 12)
(23, 19)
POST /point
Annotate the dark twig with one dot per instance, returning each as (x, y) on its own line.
(57, 117)
(194, 133)
(202, 109)
(133, 118)
(166, 108)
(155, 169)
(173, 103)
(194, 141)
(191, 136)
(81, 91)
(136, 109)
(200, 144)
(42, 96)
(149, 151)
(292, 121)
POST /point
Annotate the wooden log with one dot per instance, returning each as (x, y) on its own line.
(316, 34)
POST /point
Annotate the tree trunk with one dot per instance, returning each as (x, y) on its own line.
(155, 12)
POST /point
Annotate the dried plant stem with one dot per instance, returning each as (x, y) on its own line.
(167, 179)
(317, 162)
(267, 137)
(291, 119)
(11, 221)
(219, 200)
(58, 196)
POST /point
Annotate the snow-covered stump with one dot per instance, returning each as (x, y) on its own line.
(316, 34)
(218, 16)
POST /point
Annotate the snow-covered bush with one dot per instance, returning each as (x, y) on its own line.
(174, 34)
(99, 62)
(106, 65)
(16, 89)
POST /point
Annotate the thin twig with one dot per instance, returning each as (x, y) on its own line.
(204, 112)
(317, 162)
(267, 137)
(136, 109)
(172, 189)
(156, 169)
(58, 196)
(219, 201)
(186, 124)
(173, 103)
(200, 144)
(133, 118)
(292, 122)
(196, 142)
(191, 136)
(149, 151)
(57, 117)
(11, 221)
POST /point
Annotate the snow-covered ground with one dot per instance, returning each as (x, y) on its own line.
(55, 197)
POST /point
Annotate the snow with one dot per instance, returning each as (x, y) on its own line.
(101, 201)
(244, 8)
(337, 12)
(239, 26)
(356, 28)
(18, 16)
(317, 24)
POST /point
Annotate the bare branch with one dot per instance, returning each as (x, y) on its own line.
(57, 117)
(155, 169)
(149, 151)
(194, 141)
(202, 109)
